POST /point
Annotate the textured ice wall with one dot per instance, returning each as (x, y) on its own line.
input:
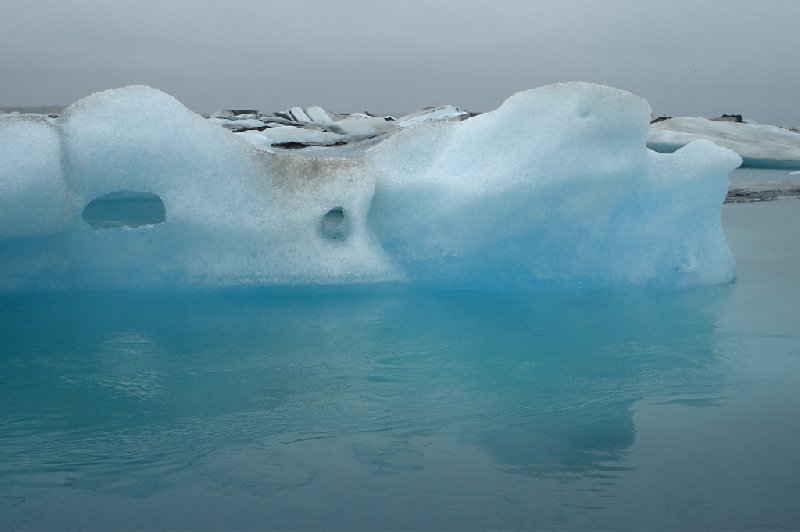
(34, 207)
(32, 188)
(234, 215)
(554, 187)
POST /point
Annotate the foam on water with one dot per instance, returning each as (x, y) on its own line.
(555, 186)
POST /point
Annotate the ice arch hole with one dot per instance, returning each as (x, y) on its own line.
(124, 208)
(335, 224)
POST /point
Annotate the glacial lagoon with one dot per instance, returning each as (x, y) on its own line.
(522, 320)
(403, 407)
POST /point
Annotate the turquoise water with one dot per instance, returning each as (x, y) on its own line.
(396, 408)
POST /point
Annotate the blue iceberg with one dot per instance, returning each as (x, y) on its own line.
(130, 189)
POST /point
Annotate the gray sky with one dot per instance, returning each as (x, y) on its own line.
(687, 57)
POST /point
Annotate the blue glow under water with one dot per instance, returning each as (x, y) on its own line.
(383, 408)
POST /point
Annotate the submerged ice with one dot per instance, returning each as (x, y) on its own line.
(128, 188)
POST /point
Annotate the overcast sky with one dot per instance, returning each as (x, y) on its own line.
(692, 57)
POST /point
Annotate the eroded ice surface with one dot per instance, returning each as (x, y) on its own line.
(554, 187)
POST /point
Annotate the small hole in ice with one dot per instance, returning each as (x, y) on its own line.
(124, 208)
(335, 224)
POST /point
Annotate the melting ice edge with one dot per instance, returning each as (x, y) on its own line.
(555, 187)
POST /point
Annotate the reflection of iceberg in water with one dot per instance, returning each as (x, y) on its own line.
(554, 187)
(540, 409)
(377, 382)
(556, 395)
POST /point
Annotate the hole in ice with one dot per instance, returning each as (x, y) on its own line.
(124, 208)
(335, 224)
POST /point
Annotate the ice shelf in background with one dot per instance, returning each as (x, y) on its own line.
(314, 126)
(762, 191)
(759, 145)
(555, 187)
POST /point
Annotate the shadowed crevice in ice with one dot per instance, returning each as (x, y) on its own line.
(124, 208)
(335, 224)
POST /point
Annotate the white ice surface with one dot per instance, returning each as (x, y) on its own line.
(258, 140)
(299, 114)
(33, 194)
(554, 187)
(318, 115)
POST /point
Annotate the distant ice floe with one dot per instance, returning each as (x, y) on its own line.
(762, 191)
(128, 188)
(314, 126)
(759, 145)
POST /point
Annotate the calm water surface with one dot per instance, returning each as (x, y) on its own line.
(382, 408)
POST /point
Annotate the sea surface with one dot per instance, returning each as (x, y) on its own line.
(391, 408)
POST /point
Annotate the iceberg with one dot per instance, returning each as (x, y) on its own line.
(128, 188)
(759, 145)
